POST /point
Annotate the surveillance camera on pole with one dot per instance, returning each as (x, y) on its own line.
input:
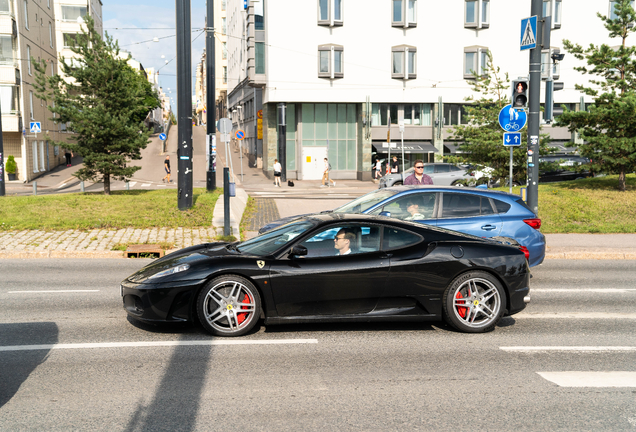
(520, 94)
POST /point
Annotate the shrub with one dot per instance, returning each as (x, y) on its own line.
(11, 166)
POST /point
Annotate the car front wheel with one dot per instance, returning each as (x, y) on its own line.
(229, 306)
(474, 302)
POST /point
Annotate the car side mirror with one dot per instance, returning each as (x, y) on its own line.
(385, 213)
(298, 250)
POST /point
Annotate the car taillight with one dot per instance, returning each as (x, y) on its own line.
(525, 251)
(534, 223)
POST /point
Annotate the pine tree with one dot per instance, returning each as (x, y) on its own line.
(104, 102)
(481, 140)
(608, 128)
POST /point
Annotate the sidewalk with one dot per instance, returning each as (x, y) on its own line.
(306, 196)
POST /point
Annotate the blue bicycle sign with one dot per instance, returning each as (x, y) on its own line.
(512, 120)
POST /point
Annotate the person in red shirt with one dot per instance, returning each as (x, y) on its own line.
(418, 177)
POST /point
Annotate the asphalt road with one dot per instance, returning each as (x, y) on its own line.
(568, 362)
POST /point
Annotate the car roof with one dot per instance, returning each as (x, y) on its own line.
(469, 190)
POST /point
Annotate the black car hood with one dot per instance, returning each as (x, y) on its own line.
(190, 255)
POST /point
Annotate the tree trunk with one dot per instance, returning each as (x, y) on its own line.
(621, 181)
(106, 184)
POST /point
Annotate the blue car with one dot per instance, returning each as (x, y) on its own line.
(480, 212)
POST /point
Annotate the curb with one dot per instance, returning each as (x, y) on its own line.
(60, 254)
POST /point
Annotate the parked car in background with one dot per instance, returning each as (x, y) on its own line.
(553, 168)
(443, 174)
(480, 212)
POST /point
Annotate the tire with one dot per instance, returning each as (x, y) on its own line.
(459, 183)
(221, 302)
(474, 302)
(397, 183)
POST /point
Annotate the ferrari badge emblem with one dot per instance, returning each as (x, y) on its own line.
(260, 263)
(229, 307)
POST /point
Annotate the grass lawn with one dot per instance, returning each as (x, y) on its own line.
(582, 206)
(122, 209)
(592, 205)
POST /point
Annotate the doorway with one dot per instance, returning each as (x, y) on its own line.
(313, 162)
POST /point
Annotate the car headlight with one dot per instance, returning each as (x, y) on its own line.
(173, 270)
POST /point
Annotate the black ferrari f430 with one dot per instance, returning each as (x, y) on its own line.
(328, 267)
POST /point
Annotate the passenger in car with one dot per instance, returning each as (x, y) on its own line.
(413, 207)
(343, 241)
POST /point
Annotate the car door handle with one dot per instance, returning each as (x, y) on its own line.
(386, 255)
(488, 227)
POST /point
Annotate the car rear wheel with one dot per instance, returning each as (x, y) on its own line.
(229, 306)
(397, 183)
(459, 183)
(474, 302)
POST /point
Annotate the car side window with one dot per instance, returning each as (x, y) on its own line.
(343, 239)
(442, 168)
(486, 207)
(396, 238)
(455, 168)
(460, 205)
(415, 206)
(429, 169)
(503, 207)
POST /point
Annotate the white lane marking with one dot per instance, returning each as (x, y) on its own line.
(582, 290)
(591, 379)
(51, 291)
(528, 349)
(131, 184)
(577, 315)
(155, 344)
(145, 185)
(162, 185)
(60, 187)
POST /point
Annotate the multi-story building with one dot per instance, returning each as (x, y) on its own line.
(350, 73)
(34, 31)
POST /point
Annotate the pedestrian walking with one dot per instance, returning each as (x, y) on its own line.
(418, 177)
(166, 166)
(325, 175)
(394, 165)
(69, 158)
(277, 171)
(378, 168)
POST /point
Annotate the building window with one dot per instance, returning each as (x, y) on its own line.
(330, 12)
(224, 25)
(48, 4)
(546, 63)
(72, 13)
(477, 14)
(404, 13)
(455, 114)
(552, 8)
(29, 60)
(7, 50)
(330, 61)
(259, 59)
(26, 14)
(224, 74)
(51, 35)
(34, 147)
(475, 61)
(42, 156)
(411, 114)
(224, 46)
(9, 97)
(6, 7)
(404, 62)
(31, 104)
(612, 8)
(223, 4)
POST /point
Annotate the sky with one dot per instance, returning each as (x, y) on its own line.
(134, 25)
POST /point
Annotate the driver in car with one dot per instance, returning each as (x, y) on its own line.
(342, 241)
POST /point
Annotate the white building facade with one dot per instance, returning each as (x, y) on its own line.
(350, 72)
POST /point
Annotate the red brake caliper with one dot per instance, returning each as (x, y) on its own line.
(240, 317)
(460, 309)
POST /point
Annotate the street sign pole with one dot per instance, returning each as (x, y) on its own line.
(2, 186)
(534, 111)
(184, 105)
(210, 98)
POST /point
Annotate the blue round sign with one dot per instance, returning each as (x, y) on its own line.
(512, 120)
(162, 137)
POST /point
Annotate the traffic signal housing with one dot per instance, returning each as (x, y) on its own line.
(520, 94)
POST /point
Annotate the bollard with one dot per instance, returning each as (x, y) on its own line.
(82, 186)
(127, 186)
(35, 188)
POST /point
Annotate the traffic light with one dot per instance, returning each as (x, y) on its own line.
(520, 94)
(550, 109)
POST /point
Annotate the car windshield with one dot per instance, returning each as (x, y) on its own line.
(365, 202)
(271, 241)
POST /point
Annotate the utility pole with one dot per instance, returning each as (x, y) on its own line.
(184, 105)
(534, 109)
(282, 140)
(210, 100)
(2, 187)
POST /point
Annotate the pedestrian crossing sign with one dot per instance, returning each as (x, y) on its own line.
(36, 127)
(528, 33)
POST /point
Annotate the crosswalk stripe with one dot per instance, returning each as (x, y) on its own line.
(591, 379)
(131, 184)
(145, 185)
